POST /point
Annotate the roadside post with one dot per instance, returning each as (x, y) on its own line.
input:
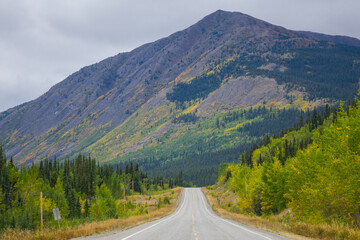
(41, 213)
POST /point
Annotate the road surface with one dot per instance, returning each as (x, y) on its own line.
(193, 219)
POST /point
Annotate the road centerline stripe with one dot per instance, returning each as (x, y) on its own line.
(192, 213)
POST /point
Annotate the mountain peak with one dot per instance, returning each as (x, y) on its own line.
(230, 22)
(221, 15)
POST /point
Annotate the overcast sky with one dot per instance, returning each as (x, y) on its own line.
(42, 41)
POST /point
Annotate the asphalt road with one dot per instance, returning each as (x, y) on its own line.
(193, 219)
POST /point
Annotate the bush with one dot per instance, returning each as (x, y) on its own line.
(166, 200)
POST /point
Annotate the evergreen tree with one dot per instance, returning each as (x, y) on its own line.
(58, 196)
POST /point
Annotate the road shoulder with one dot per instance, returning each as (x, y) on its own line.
(215, 200)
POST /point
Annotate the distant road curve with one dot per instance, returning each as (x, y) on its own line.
(193, 219)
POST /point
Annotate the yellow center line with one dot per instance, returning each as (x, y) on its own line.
(193, 217)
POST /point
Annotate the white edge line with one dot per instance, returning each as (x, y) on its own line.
(236, 225)
(182, 205)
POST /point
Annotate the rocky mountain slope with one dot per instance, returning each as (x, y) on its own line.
(137, 105)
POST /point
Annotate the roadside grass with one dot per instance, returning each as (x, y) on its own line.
(224, 204)
(156, 207)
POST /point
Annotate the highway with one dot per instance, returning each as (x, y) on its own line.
(193, 219)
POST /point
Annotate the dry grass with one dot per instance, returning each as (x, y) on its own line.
(294, 230)
(103, 226)
(324, 231)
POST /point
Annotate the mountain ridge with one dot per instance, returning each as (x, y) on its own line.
(90, 104)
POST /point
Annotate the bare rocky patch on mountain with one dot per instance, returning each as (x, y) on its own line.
(242, 92)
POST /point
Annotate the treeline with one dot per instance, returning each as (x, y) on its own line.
(200, 166)
(272, 122)
(186, 118)
(324, 70)
(264, 121)
(290, 146)
(82, 190)
(199, 87)
(313, 172)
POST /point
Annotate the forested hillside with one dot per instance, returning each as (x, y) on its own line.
(207, 142)
(81, 189)
(313, 171)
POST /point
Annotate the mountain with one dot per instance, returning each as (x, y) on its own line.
(203, 90)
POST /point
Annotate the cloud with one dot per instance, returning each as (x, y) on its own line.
(44, 41)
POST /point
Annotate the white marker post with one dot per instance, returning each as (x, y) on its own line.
(57, 215)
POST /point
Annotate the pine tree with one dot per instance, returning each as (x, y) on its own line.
(86, 208)
(59, 198)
